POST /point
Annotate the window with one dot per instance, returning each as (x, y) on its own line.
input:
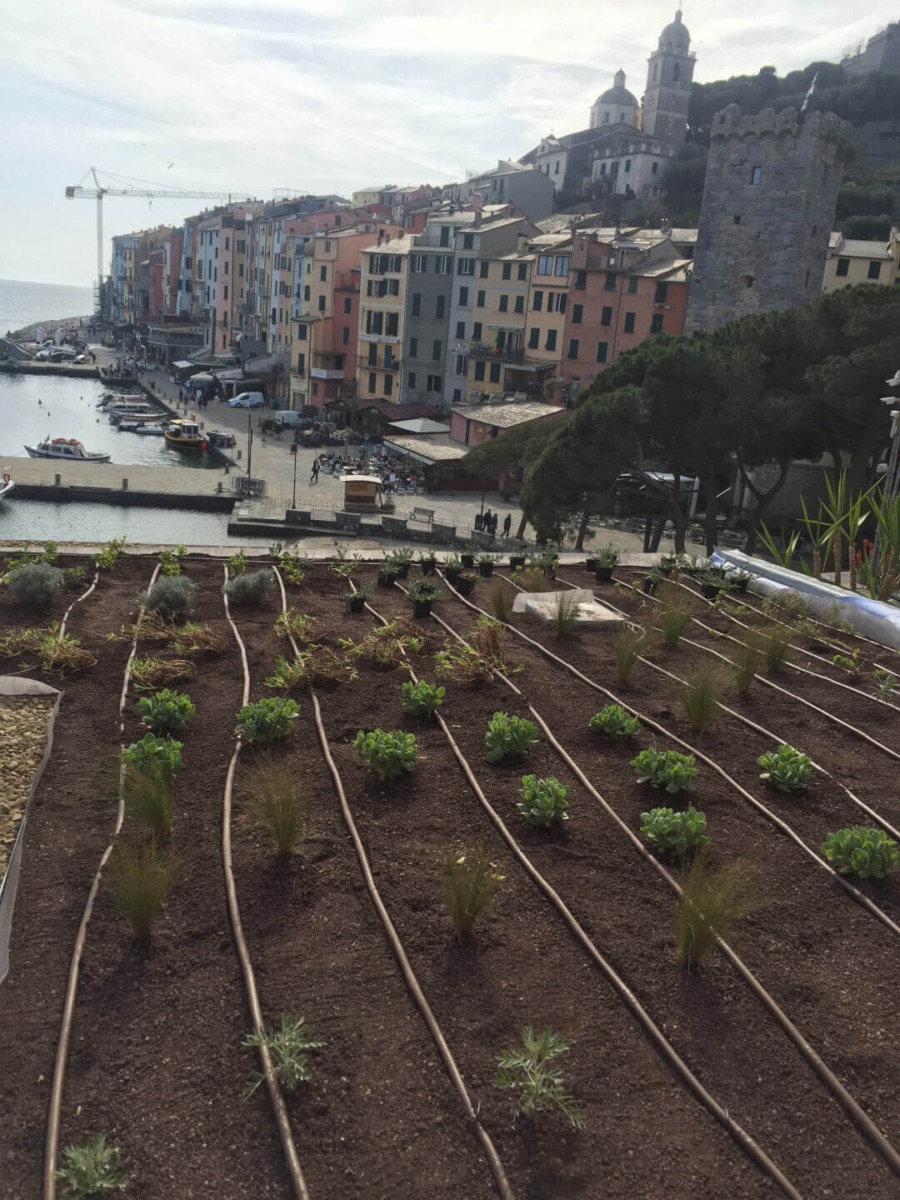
(418, 264)
(550, 344)
(737, 218)
(483, 269)
(388, 384)
(662, 291)
(520, 304)
(348, 304)
(610, 282)
(506, 271)
(476, 331)
(226, 291)
(417, 304)
(602, 348)
(389, 361)
(627, 166)
(411, 379)
(373, 355)
(307, 292)
(676, 72)
(461, 330)
(465, 266)
(656, 323)
(323, 274)
(580, 280)
(523, 271)
(301, 332)
(461, 367)
(632, 284)
(573, 348)
(345, 336)
(436, 349)
(443, 264)
(534, 339)
(537, 301)
(561, 266)
(413, 347)
(545, 264)
(556, 302)
(843, 267)
(373, 382)
(874, 270)
(457, 396)
(434, 383)
(494, 373)
(301, 364)
(445, 235)
(328, 247)
(756, 175)
(439, 304)
(479, 300)
(468, 241)
(321, 304)
(479, 370)
(556, 167)
(226, 268)
(463, 297)
(504, 303)
(629, 322)
(577, 312)
(391, 324)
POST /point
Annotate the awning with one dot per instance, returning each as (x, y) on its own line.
(182, 366)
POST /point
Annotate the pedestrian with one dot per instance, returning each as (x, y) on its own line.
(479, 522)
(486, 523)
(507, 525)
(314, 477)
(181, 395)
(494, 520)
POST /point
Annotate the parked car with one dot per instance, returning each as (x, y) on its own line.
(288, 419)
(247, 400)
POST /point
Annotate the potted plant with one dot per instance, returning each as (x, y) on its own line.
(423, 593)
(387, 574)
(468, 560)
(607, 559)
(427, 562)
(545, 561)
(465, 583)
(486, 565)
(652, 580)
(453, 568)
(711, 584)
(739, 580)
(401, 560)
(356, 601)
(592, 563)
(516, 561)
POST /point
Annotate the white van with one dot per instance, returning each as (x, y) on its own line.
(287, 419)
(248, 400)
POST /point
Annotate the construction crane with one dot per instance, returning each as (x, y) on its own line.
(138, 189)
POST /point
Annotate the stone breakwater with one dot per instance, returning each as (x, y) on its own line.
(23, 731)
(29, 333)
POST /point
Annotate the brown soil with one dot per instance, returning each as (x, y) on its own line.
(156, 1058)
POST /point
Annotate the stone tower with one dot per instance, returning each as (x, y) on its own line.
(768, 207)
(669, 75)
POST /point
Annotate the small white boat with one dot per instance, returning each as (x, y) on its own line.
(67, 449)
(6, 484)
(149, 428)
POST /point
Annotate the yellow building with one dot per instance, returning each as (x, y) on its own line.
(851, 262)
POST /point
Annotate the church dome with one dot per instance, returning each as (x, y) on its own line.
(675, 36)
(618, 93)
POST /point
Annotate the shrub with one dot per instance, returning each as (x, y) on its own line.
(564, 616)
(628, 647)
(509, 737)
(608, 556)
(303, 628)
(152, 753)
(292, 567)
(167, 711)
(237, 563)
(141, 880)
(501, 598)
(786, 605)
(109, 555)
(710, 902)
(544, 801)
(860, 851)
(385, 645)
(277, 803)
(674, 832)
(172, 597)
(538, 1084)
(534, 580)
(266, 721)
(287, 1048)
(665, 769)
(251, 588)
(35, 585)
(421, 699)
(785, 768)
(699, 693)
(193, 638)
(89, 1170)
(746, 664)
(148, 797)
(885, 682)
(390, 754)
(170, 561)
(75, 576)
(614, 722)
(317, 664)
(423, 588)
(470, 882)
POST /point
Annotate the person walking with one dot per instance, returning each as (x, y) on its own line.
(507, 525)
(314, 476)
(181, 395)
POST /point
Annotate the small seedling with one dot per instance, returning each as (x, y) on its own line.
(711, 901)
(422, 699)
(304, 629)
(614, 722)
(785, 768)
(141, 878)
(564, 616)
(629, 646)
(674, 832)
(501, 598)
(89, 1170)
(470, 881)
(666, 769)
(288, 1047)
(266, 721)
(699, 693)
(170, 561)
(390, 754)
(885, 682)
(509, 738)
(277, 802)
(544, 801)
(237, 564)
(537, 1083)
(109, 555)
(863, 852)
(166, 711)
(746, 664)
(154, 754)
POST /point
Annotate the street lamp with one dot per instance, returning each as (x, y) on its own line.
(294, 493)
(249, 440)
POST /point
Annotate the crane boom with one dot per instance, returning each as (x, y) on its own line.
(140, 193)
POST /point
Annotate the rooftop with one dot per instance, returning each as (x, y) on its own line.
(507, 414)
(437, 448)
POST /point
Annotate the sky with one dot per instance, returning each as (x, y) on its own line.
(249, 96)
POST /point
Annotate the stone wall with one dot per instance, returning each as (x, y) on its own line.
(768, 209)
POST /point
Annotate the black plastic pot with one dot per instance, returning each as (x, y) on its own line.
(465, 585)
(428, 566)
(739, 585)
(453, 574)
(402, 571)
(356, 604)
(468, 561)
(591, 564)
(650, 585)
(604, 574)
(516, 560)
(486, 570)
(710, 590)
(387, 580)
(422, 608)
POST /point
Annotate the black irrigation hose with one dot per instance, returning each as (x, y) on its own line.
(412, 983)
(858, 1116)
(51, 1139)
(298, 1183)
(667, 1051)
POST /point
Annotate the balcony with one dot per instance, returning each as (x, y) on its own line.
(499, 353)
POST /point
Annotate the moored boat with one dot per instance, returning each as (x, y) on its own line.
(6, 484)
(149, 428)
(184, 435)
(67, 449)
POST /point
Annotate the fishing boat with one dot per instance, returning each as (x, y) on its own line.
(67, 449)
(132, 424)
(184, 435)
(6, 484)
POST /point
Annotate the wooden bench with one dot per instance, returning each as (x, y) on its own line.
(422, 514)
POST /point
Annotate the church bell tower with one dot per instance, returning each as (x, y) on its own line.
(669, 76)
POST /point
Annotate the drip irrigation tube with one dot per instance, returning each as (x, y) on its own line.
(51, 1140)
(298, 1183)
(412, 983)
(858, 1116)
(663, 1046)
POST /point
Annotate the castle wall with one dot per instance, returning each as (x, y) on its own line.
(768, 208)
